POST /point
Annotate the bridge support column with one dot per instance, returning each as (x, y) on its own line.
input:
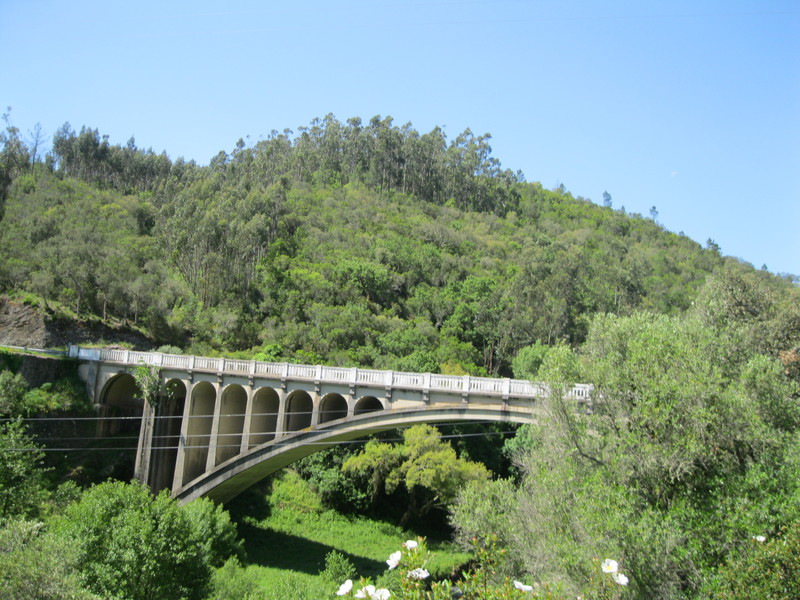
(180, 461)
(315, 400)
(144, 450)
(248, 418)
(213, 439)
(280, 426)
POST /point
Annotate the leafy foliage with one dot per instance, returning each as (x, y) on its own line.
(278, 244)
(132, 545)
(766, 569)
(37, 565)
(689, 449)
(428, 469)
(22, 484)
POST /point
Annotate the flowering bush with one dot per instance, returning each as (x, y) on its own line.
(415, 581)
(608, 590)
(765, 568)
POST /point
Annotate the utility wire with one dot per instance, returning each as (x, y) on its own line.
(276, 444)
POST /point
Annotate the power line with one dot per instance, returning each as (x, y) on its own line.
(276, 444)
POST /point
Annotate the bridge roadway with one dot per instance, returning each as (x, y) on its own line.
(222, 424)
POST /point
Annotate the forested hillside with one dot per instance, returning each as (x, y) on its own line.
(348, 243)
(374, 245)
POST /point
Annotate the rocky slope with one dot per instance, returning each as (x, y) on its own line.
(24, 325)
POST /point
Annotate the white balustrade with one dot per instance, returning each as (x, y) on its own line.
(236, 366)
(203, 363)
(455, 384)
(302, 371)
(371, 377)
(409, 381)
(335, 374)
(449, 383)
(263, 368)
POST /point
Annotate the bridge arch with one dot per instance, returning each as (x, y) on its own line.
(198, 429)
(166, 434)
(233, 405)
(121, 406)
(226, 481)
(264, 419)
(332, 407)
(299, 409)
(367, 404)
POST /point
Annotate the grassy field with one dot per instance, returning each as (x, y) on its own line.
(288, 534)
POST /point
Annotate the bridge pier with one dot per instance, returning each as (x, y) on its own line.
(144, 450)
(248, 418)
(180, 459)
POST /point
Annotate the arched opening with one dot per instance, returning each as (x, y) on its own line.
(264, 420)
(198, 431)
(367, 404)
(120, 413)
(298, 411)
(332, 406)
(121, 406)
(231, 422)
(166, 434)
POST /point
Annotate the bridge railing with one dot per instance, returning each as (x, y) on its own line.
(426, 382)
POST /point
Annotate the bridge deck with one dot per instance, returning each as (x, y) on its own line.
(426, 382)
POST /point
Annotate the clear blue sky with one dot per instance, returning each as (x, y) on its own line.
(689, 106)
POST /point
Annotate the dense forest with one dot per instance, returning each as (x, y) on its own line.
(370, 244)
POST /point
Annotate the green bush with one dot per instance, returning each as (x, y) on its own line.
(765, 569)
(338, 567)
(134, 546)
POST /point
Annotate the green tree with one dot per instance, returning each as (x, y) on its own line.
(132, 545)
(35, 565)
(22, 474)
(428, 469)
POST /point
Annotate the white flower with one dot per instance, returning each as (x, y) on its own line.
(394, 559)
(620, 578)
(366, 592)
(410, 544)
(418, 573)
(521, 586)
(345, 588)
(370, 592)
(759, 538)
(610, 566)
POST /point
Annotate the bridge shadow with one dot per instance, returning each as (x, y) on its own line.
(267, 547)
(270, 548)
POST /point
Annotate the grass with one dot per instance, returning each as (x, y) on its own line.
(288, 534)
(56, 354)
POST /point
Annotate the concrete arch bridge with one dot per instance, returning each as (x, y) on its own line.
(221, 425)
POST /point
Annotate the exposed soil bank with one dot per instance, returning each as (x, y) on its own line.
(23, 325)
